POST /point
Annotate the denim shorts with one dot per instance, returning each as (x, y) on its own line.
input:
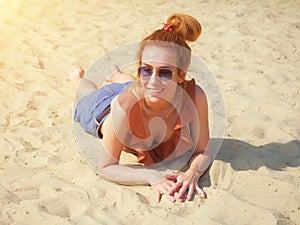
(90, 107)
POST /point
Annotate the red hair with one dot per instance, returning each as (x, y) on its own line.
(181, 29)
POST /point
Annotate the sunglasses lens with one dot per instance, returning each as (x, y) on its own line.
(145, 72)
(165, 74)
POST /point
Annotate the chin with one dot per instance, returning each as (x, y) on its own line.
(154, 99)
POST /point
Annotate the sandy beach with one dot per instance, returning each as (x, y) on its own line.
(252, 48)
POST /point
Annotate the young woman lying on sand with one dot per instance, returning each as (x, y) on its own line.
(158, 115)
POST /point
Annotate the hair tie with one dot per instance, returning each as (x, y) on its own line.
(167, 27)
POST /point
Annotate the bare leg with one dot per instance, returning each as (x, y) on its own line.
(84, 87)
(118, 76)
(81, 86)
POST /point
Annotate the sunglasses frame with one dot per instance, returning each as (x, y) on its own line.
(163, 78)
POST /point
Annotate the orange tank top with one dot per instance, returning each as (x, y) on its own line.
(177, 143)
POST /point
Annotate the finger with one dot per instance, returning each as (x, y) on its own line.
(168, 185)
(174, 188)
(190, 192)
(182, 191)
(158, 196)
(171, 198)
(201, 192)
(176, 196)
(172, 177)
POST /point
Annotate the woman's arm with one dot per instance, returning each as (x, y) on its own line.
(114, 130)
(201, 158)
(187, 182)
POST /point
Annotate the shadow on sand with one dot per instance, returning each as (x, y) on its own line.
(243, 156)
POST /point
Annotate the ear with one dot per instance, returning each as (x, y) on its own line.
(182, 73)
(181, 76)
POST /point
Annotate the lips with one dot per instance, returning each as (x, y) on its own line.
(154, 92)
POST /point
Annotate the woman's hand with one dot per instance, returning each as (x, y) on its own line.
(163, 187)
(185, 186)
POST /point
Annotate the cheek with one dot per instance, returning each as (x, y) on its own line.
(143, 83)
(171, 89)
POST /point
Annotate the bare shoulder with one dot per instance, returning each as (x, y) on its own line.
(200, 95)
(117, 111)
(118, 119)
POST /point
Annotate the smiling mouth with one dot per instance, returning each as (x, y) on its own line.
(155, 92)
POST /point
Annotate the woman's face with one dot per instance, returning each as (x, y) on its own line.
(158, 74)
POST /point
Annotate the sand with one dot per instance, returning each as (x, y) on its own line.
(252, 48)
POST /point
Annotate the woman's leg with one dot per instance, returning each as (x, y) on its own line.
(84, 87)
(81, 86)
(117, 76)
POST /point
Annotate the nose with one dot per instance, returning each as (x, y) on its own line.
(154, 77)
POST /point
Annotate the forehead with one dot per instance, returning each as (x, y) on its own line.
(159, 56)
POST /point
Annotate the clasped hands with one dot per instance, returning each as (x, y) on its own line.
(178, 187)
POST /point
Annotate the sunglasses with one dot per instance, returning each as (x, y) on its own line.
(145, 72)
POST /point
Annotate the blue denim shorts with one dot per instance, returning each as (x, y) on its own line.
(90, 107)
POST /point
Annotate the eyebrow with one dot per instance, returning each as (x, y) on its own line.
(168, 67)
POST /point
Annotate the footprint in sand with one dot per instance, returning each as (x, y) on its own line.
(55, 207)
(97, 195)
(7, 196)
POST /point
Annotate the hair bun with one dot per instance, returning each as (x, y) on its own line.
(187, 27)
